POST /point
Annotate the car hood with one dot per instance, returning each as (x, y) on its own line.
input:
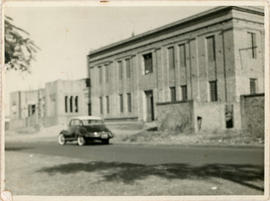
(96, 128)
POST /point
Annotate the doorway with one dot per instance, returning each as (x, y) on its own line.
(149, 106)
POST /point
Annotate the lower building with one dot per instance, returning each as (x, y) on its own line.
(52, 105)
(27, 108)
(66, 98)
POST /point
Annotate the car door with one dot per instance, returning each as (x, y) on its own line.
(72, 127)
(75, 127)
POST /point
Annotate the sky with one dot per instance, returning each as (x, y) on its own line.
(65, 36)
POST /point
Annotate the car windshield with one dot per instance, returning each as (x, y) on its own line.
(89, 122)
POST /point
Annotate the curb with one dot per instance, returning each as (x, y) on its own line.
(195, 145)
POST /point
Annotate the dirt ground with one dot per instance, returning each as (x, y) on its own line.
(135, 133)
(37, 174)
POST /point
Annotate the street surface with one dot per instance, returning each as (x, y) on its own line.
(147, 154)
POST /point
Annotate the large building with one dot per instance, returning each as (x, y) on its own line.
(54, 104)
(197, 67)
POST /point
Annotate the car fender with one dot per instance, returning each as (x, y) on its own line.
(64, 132)
(80, 132)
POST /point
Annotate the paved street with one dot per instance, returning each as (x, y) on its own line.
(147, 154)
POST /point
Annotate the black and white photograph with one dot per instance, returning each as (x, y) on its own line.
(127, 99)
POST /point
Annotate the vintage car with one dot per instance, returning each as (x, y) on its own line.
(84, 129)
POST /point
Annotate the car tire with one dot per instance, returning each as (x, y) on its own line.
(107, 141)
(81, 141)
(61, 139)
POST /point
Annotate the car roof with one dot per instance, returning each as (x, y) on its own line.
(87, 118)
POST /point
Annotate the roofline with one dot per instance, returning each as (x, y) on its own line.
(253, 10)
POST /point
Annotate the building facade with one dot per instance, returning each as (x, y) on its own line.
(27, 107)
(65, 99)
(198, 66)
(52, 105)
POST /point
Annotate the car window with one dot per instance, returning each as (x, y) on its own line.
(75, 122)
(89, 122)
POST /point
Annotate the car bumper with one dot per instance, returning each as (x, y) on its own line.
(102, 136)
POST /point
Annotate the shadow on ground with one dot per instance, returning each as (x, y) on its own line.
(129, 172)
(16, 148)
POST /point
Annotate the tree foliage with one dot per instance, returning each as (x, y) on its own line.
(20, 50)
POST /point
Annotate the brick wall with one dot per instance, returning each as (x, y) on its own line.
(252, 112)
(175, 116)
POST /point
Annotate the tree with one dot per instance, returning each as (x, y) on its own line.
(20, 50)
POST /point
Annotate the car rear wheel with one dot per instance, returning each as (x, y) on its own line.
(81, 141)
(61, 139)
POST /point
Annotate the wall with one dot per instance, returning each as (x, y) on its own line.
(212, 116)
(252, 112)
(175, 116)
(17, 123)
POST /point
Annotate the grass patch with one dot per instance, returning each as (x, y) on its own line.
(227, 137)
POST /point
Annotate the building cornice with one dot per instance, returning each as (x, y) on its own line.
(180, 23)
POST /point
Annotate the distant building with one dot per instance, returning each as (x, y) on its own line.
(54, 104)
(27, 107)
(66, 98)
(195, 69)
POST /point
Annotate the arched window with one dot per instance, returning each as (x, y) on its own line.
(71, 103)
(76, 103)
(66, 104)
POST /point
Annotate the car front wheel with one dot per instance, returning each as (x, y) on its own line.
(61, 139)
(81, 141)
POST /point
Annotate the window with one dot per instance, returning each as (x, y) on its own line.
(76, 104)
(87, 82)
(213, 90)
(120, 68)
(100, 105)
(121, 103)
(173, 94)
(171, 57)
(107, 73)
(100, 74)
(76, 122)
(211, 52)
(184, 92)
(148, 63)
(108, 104)
(129, 102)
(31, 110)
(66, 104)
(89, 109)
(128, 68)
(252, 45)
(182, 52)
(71, 103)
(252, 84)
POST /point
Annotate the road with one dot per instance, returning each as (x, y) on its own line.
(147, 154)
